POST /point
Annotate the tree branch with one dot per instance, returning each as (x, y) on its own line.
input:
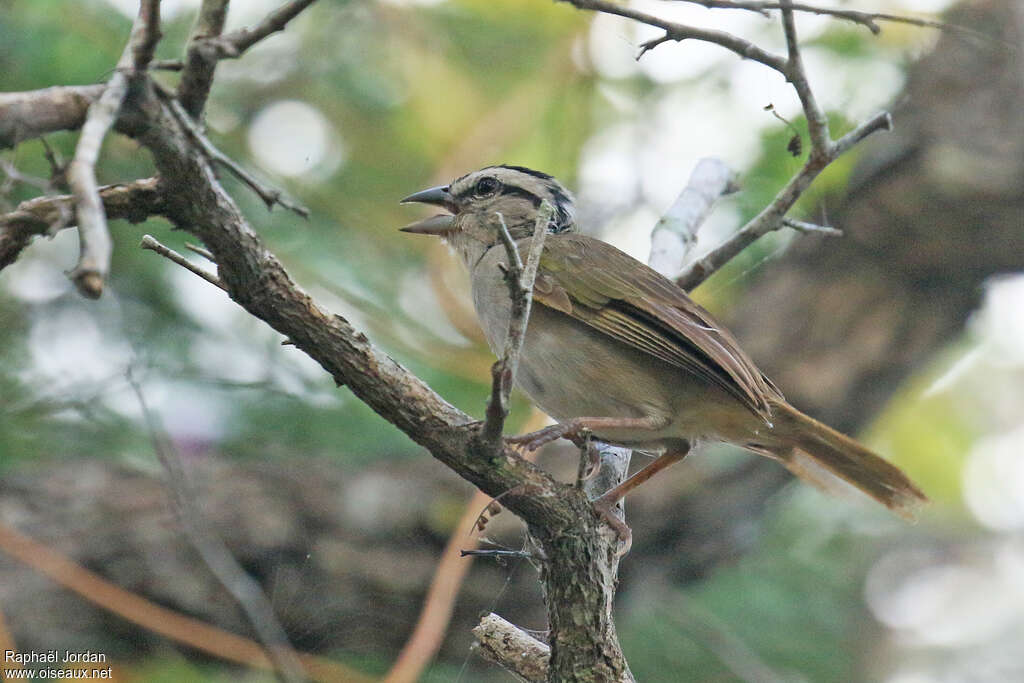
(134, 202)
(94, 237)
(269, 195)
(505, 644)
(675, 233)
(200, 62)
(235, 43)
(207, 46)
(32, 114)
(867, 19)
(148, 242)
(520, 280)
(677, 32)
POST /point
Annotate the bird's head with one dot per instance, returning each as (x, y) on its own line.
(478, 202)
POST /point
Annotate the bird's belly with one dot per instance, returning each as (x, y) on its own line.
(571, 370)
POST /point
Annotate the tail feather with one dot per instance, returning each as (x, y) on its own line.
(807, 446)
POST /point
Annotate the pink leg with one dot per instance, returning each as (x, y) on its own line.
(603, 505)
(572, 429)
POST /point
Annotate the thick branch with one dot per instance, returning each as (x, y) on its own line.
(145, 46)
(675, 233)
(134, 202)
(32, 114)
(200, 63)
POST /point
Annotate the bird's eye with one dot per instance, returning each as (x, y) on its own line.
(486, 186)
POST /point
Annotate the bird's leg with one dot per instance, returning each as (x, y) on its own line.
(603, 505)
(571, 429)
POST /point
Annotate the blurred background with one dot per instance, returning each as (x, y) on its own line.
(908, 331)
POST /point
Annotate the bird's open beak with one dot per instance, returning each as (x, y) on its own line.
(441, 224)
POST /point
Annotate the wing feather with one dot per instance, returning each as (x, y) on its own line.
(648, 312)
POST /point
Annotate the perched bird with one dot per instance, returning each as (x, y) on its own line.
(614, 347)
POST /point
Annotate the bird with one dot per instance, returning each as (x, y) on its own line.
(615, 349)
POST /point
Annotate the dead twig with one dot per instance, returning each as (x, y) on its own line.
(869, 20)
(269, 195)
(93, 265)
(512, 648)
(520, 278)
(148, 242)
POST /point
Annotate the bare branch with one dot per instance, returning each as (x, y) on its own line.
(880, 121)
(93, 265)
(196, 249)
(675, 233)
(32, 114)
(237, 42)
(817, 124)
(148, 242)
(867, 19)
(520, 280)
(677, 32)
(206, 46)
(200, 63)
(246, 592)
(772, 216)
(804, 226)
(513, 649)
(269, 195)
(134, 202)
(143, 49)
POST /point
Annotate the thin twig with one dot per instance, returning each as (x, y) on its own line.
(207, 46)
(817, 124)
(148, 242)
(167, 65)
(235, 43)
(520, 280)
(205, 253)
(269, 195)
(804, 226)
(218, 558)
(676, 31)
(772, 216)
(477, 552)
(867, 19)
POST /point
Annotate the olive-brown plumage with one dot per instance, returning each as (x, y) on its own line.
(615, 347)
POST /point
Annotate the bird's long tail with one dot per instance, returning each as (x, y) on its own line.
(807, 447)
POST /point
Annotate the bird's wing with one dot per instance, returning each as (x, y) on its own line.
(612, 292)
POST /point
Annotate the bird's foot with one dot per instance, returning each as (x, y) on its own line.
(605, 512)
(534, 440)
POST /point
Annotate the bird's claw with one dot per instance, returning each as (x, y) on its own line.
(621, 529)
(534, 440)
